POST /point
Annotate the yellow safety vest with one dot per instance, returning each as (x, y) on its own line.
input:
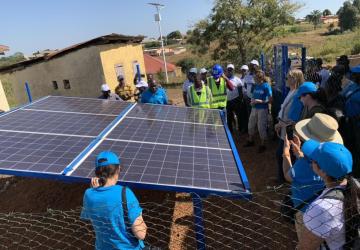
(219, 93)
(201, 101)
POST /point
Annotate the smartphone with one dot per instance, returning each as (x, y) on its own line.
(290, 132)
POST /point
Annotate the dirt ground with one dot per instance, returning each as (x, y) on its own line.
(33, 211)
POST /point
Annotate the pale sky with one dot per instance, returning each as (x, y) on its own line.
(32, 25)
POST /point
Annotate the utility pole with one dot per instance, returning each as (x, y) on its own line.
(158, 19)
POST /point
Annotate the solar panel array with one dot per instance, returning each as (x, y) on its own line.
(159, 146)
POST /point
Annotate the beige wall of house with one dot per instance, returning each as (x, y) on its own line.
(4, 105)
(85, 69)
(121, 56)
(82, 68)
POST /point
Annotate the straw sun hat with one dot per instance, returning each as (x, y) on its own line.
(320, 127)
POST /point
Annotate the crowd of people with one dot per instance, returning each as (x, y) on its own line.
(318, 127)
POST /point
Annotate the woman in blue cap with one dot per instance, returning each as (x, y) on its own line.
(325, 218)
(113, 210)
(312, 98)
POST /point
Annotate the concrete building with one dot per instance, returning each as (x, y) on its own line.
(78, 70)
(330, 19)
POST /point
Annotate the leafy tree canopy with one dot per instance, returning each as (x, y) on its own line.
(239, 29)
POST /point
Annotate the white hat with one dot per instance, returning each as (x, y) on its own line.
(230, 66)
(203, 70)
(105, 87)
(244, 67)
(142, 84)
(254, 62)
(193, 70)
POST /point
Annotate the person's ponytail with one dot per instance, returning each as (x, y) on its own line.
(104, 173)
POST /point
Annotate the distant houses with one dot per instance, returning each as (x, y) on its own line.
(3, 49)
(78, 70)
(154, 65)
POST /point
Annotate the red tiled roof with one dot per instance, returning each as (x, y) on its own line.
(154, 65)
(3, 48)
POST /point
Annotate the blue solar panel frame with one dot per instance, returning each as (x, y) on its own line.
(246, 193)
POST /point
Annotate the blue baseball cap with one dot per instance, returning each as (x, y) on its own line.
(333, 158)
(305, 88)
(355, 69)
(106, 158)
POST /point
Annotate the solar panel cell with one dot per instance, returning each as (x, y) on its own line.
(80, 105)
(43, 153)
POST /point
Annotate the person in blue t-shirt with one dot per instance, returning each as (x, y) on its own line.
(103, 206)
(305, 184)
(261, 97)
(154, 94)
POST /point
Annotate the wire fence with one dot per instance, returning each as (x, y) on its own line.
(229, 224)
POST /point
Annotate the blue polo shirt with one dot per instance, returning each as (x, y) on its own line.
(295, 109)
(262, 92)
(352, 100)
(103, 207)
(305, 182)
(159, 97)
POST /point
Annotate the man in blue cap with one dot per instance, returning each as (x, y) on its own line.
(324, 220)
(113, 210)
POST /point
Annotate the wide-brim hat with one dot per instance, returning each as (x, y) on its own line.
(320, 127)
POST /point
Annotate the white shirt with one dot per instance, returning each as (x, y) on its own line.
(284, 111)
(248, 83)
(232, 94)
(325, 74)
(325, 218)
(187, 85)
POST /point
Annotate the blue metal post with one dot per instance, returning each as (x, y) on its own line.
(262, 61)
(28, 91)
(303, 59)
(284, 69)
(199, 222)
(276, 66)
(138, 72)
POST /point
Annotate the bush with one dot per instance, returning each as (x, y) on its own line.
(186, 64)
(356, 49)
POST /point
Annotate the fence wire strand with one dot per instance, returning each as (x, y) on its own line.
(229, 224)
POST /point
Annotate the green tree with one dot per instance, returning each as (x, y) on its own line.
(315, 18)
(186, 64)
(238, 30)
(8, 60)
(348, 16)
(326, 12)
(356, 4)
(174, 35)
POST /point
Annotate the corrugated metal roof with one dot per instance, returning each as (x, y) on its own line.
(107, 39)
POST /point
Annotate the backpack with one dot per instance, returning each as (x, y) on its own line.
(352, 224)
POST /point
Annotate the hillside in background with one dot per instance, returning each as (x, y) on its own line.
(317, 42)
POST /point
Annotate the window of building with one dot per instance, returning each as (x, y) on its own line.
(67, 84)
(55, 85)
(119, 70)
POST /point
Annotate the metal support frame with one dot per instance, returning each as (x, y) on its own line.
(262, 61)
(303, 59)
(199, 222)
(28, 91)
(284, 68)
(138, 72)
